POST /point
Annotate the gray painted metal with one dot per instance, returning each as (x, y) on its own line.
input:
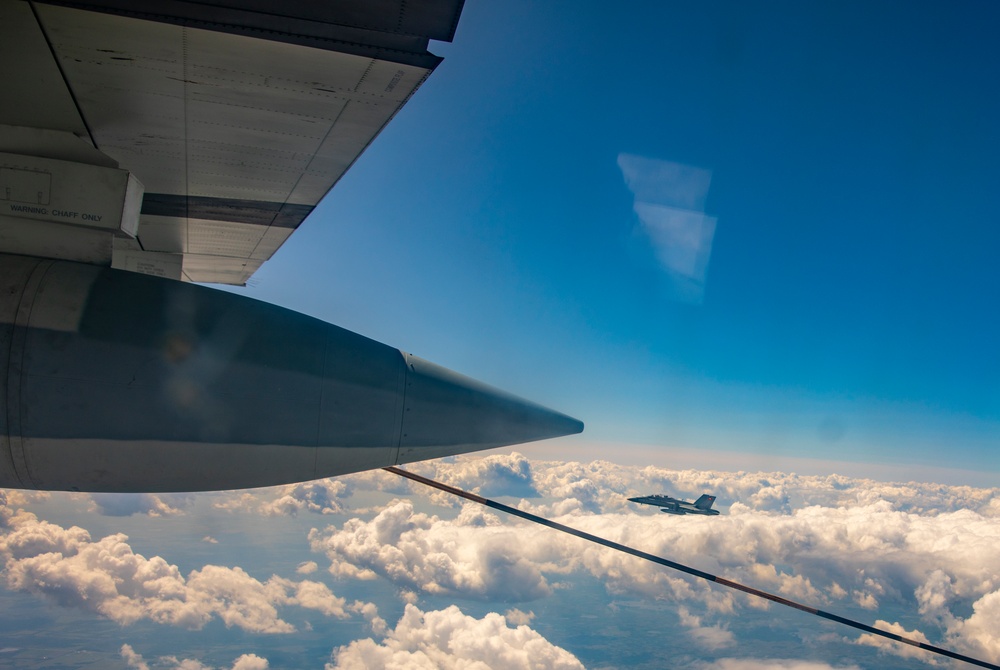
(395, 30)
(62, 198)
(115, 381)
(236, 117)
(702, 505)
(252, 110)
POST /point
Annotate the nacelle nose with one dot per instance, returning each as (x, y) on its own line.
(446, 413)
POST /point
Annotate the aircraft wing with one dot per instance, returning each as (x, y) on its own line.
(235, 117)
(187, 139)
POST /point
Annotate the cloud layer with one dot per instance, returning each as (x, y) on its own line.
(827, 541)
(919, 558)
(135, 661)
(449, 640)
(105, 576)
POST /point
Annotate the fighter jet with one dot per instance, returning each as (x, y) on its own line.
(702, 505)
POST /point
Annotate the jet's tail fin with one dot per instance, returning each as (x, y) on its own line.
(705, 502)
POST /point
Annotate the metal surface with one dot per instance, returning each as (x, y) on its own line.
(236, 117)
(395, 30)
(702, 505)
(116, 381)
(69, 193)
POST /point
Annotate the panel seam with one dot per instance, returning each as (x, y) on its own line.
(62, 73)
(15, 372)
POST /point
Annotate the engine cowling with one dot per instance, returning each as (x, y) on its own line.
(115, 381)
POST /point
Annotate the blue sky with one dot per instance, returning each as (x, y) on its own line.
(740, 241)
(847, 302)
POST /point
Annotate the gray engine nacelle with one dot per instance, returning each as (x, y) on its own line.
(115, 381)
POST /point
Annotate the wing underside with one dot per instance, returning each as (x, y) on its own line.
(235, 121)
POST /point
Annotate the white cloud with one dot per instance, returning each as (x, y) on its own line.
(135, 661)
(107, 577)
(370, 612)
(601, 487)
(898, 648)
(771, 664)
(707, 637)
(979, 635)
(241, 501)
(307, 568)
(836, 539)
(127, 504)
(448, 639)
(825, 540)
(865, 600)
(321, 496)
(250, 662)
(14, 498)
(495, 474)
(519, 618)
(422, 552)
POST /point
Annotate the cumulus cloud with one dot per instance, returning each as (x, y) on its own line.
(495, 474)
(105, 576)
(980, 633)
(491, 475)
(322, 496)
(127, 504)
(370, 612)
(898, 648)
(564, 488)
(449, 639)
(771, 664)
(135, 661)
(602, 487)
(426, 553)
(829, 541)
(519, 618)
(14, 498)
(132, 659)
(708, 637)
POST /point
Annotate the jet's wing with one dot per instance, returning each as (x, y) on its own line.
(236, 117)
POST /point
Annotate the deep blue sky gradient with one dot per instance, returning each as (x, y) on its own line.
(850, 302)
